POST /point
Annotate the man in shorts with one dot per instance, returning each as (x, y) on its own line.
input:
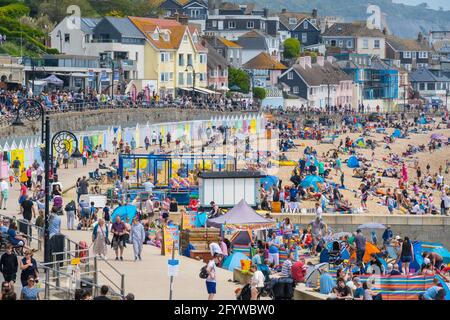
(118, 230)
(211, 281)
(85, 214)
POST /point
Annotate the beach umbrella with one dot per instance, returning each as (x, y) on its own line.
(372, 225)
(235, 88)
(127, 211)
(311, 181)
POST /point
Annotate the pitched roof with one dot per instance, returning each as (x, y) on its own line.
(264, 61)
(253, 40)
(285, 16)
(125, 27)
(354, 29)
(88, 24)
(214, 58)
(425, 75)
(148, 25)
(317, 75)
(400, 44)
(228, 43)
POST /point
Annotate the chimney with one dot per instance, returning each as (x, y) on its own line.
(420, 37)
(314, 13)
(176, 16)
(301, 61)
(284, 10)
(183, 19)
(266, 12)
(308, 61)
(330, 59)
(384, 31)
(320, 60)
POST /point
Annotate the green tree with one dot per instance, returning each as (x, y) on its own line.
(240, 78)
(291, 48)
(259, 93)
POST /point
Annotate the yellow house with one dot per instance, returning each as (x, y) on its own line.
(173, 54)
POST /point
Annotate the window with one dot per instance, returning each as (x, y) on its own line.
(171, 56)
(376, 44)
(195, 13)
(219, 51)
(86, 38)
(341, 43)
(263, 25)
(202, 77)
(365, 44)
(202, 58)
(195, 38)
(250, 24)
(431, 86)
(231, 24)
(304, 37)
(407, 54)
(422, 86)
(165, 76)
(333, 43)
(292, 20)
(349, 44)
(214, 23)
(189, 59)
(164, 57)
(291, 75)
(168, 13)
(305, 25)
(295, 89)
(181, 59)
(237, 53)
(66, 37)
(155, 35)
(423, 55)
(185, 38)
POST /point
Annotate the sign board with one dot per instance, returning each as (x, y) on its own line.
(104, 76)
(171, 235)
(75, 261)
(116, 75)
(91, 75)
(174, 267)
(188, 220)
(150, 84)
(99, 200)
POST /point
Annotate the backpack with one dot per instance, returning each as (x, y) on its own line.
(203, 272)
(246, 293)
(70, 206)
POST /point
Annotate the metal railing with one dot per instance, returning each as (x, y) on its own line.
(39, 231)
(55, 274)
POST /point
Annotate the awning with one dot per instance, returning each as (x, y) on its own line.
(185, 89)
(79, 75)
(205, 91)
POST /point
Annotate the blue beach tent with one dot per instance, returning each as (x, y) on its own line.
(353, 162)
(311, 181)
(397, 133)
(234, 261)
(127, 211)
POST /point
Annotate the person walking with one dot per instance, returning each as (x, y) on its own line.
(137, 237)
(147, 143)
(4, 187)
(29, 268)
(9, 265)
(118, 230)
(100, 239)
(30, 291)
(406, 255)
(360, 242)
(27, 209)
(70, 211)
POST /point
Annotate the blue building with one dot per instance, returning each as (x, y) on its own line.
(374, 78)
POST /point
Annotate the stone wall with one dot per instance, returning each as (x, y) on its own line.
(79, 121)
(425, 228)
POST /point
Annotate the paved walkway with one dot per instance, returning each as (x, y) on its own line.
(148, 278)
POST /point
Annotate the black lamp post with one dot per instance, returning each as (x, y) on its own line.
(62, 143)
(193, 79)
(32, 110)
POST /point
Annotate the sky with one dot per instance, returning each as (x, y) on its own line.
(434, 4)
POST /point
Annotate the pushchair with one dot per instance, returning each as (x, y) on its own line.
(281, 288)
(335, 254)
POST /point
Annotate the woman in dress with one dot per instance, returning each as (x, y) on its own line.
(100, 238)
(137, 237)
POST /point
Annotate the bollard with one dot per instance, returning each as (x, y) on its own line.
(122, 285)
(95, 277)
(47, 286)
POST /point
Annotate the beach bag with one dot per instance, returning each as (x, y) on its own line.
(203, 273)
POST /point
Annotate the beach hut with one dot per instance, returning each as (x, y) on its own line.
(353, 162)
(311, 181)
